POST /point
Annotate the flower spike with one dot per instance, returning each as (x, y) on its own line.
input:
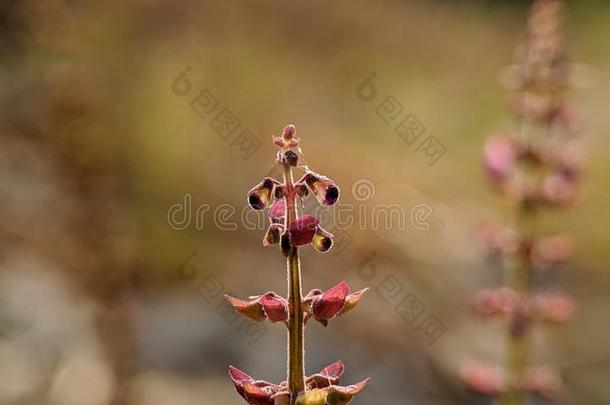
(290, 229)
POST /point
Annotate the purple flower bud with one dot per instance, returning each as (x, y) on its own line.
(260, 195)
(289, 132)
(277, 212)
(325, 190)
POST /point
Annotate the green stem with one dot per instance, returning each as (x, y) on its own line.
(296, 319)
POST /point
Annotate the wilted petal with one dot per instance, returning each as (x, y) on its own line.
(302, 230)
(275, 307)
(251, 309)
(352, 300)
(327, 305)
(260, 195)
(338, 395)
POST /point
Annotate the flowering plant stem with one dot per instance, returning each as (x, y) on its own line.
(290, 231)
(296, 319)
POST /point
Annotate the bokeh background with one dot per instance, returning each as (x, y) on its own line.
(104, 299)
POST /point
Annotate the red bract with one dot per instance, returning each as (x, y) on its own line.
(302, 231)
(335, 301)
(322, 388)
(267, 306)
(255, 392)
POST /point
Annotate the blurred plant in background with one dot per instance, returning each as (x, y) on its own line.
(537, 169)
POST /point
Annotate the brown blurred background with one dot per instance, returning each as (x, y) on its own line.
(105, 298)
